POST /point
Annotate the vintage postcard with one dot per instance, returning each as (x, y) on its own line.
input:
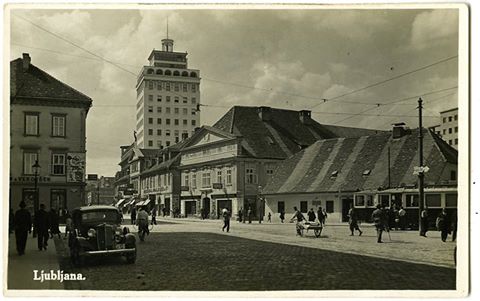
(246, 150)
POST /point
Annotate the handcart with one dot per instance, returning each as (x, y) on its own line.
(316, 227)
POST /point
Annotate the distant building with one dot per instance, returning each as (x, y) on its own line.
(100, 191)
(168, 95)
(47, 127)
(449, 127)
(365, 171)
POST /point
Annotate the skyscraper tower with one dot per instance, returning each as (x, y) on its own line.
(168, 94)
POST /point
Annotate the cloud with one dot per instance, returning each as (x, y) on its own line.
(434, 27)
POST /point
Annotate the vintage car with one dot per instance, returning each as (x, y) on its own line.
(97, 232)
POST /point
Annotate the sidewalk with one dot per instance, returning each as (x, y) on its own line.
(20, 268)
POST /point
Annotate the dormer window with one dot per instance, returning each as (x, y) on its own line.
(366, 172)
(334, 174)
(269, 140)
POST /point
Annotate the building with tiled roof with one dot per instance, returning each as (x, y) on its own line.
(379, 168)
(48, 126)
(226, 165)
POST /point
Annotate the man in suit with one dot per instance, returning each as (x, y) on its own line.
(23, 226)
(42, 224)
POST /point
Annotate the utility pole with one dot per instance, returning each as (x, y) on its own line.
(420, 163)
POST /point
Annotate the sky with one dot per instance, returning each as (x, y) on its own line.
(315, 59)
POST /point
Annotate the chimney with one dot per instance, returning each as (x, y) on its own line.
(399, 130)
(26, 61)
(264, 113)
(305, 116)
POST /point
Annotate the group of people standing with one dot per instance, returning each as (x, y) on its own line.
(45, 224)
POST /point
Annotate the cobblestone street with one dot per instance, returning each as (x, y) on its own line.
(185, 255)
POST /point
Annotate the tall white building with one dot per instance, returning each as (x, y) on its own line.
(168, 94)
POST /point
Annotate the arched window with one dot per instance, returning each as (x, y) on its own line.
(185, 73)
(193, 74)
(150, 71)
(176, 73)
(159, 71)
(168, 72)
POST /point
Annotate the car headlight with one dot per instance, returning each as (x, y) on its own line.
(91, 232)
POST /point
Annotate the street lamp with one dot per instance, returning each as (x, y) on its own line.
(36, 168)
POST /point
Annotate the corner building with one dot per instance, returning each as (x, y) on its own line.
(168, 95)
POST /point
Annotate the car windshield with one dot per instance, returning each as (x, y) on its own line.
(107, 216)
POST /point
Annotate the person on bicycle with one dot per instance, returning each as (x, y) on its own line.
(142, 222)
(300, 218)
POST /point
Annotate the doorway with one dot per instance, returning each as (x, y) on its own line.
(223, 204)
(347, 202)
(190, 208)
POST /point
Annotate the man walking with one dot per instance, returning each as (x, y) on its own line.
(321, 216)
(311, 215)
(402, 215)
(378, 217)
(154, 215)
(424, 222)
(23, 226)
(300, 218)
(133, 215)
(353, 221)
(226, 219)
(443, 224)
(282, 215)
(42, 224)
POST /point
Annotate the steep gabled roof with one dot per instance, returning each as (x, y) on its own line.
(36, 83)
(281, 134)
(362, 163)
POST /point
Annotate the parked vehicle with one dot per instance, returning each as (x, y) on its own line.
(97, 232)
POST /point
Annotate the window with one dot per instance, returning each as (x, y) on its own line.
(176, 99)
(150, 142)
(185, 100)
(185, 122)
(433, 200)
(329, 207)
(456, 129)
(176, 110)
(168, 110)
(150, 109)
(384, 200)
(334, 174)
(194, 180)
(184, 135)
(31, 124)
(444, 119)
(159, 120)
(194, 111)
(206, 179)
(450, 118)
(194, 100)
(219, 176)
(269, 171)
(150, 97)
(167, 121)
(456, 141)
(450, 142)
(159, 109)
(176, 121)
(451, 200)
(167, 87)
(304, 206)
(150, 85)
(194, 88)
(455, 117)
(250, 176)
(369, 199)
(58, 199)
(280, 206)
(167, 98)
(150, 120)
(444, 131)
(167, 133)
(186, 181)
(58, 164)
(359, 201)
(29, 159)
(159, 86)
(194, 122)
(177, 88)
(159, 132)
(176, 133)
(159, 143)
(184, 87)
(229, 177)
(168, 142)
(177, 139)
(159, 98)
(150, 132)
(58, 126)
(450, 130)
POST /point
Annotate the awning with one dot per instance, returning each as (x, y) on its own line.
(120, 202)
(146, 202)
(140, 203)
(130, 203)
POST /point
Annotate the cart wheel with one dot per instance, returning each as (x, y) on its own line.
(317, 232)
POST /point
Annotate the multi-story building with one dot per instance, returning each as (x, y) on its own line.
(168, 95)
(449, 127)
(226, 166)
(47, 130)
(100, 191)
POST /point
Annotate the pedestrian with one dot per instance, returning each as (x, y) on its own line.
(402, 215)
(269, 217)
(298, 216)
(282, 215)
(154, 215)
(240, 214)
(249, 213)
(226, 219)
(41, 226)
(396, 218)
(325, 216)
(68, 223)
(424, 222)
(54, 223)
(454, 225)
(311, 215)
(443, 224)
(22, 226)
(320, 216)
(378, 217)
(133, 215)
(142, 222)
(353, 221)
